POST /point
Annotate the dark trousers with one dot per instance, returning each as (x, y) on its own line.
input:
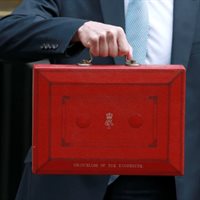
(64, 187)
(142, 188)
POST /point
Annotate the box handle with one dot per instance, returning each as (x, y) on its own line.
(88, 62)
(132, 63)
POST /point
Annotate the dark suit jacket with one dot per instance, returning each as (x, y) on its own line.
(43, 29)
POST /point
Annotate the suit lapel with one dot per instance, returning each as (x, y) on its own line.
(113, 13)
(183, 29)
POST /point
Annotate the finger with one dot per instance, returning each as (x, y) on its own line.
(93, 44)
(123, 49)
(123, 45)
(112, 44)
(103, 45)
(130, 54)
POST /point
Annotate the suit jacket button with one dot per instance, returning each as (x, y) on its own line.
(48, 46)
(53, 46)
(45, 46)
(42, 46)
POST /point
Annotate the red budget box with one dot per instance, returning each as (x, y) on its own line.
(108, 119)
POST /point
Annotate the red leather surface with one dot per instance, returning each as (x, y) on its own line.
(108, 119)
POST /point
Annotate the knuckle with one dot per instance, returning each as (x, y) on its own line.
(110, 35)
(102, 36)
(94, 40)
(120, 29)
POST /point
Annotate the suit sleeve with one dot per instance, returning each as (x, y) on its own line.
(36, 31)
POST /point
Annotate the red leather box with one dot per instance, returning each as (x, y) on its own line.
(108, 119)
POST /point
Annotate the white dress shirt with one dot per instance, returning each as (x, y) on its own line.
(159, 42)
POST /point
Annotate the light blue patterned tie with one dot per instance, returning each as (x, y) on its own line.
(137, 25)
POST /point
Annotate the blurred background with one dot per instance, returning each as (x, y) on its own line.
(6, 6)
(15, 113)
